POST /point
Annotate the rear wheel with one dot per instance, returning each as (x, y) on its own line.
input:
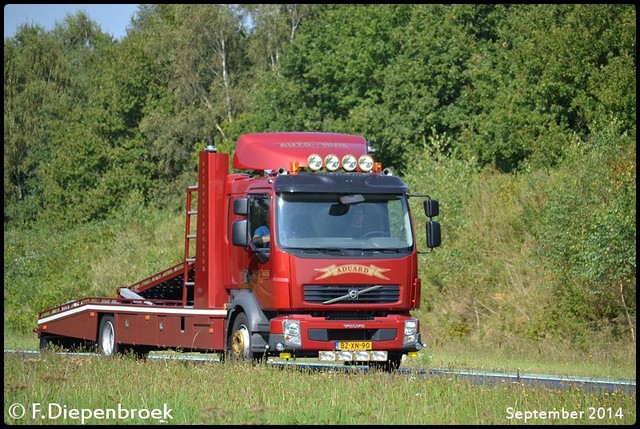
(59, 343)
(107, 344)
(46, 343)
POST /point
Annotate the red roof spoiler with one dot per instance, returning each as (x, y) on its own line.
(270, 151)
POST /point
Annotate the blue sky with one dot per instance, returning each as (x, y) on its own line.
(112, 18)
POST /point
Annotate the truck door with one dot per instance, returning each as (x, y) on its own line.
(252, 239)
(260, 231)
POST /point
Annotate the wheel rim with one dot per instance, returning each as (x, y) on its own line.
(108, 339)
(240, 342)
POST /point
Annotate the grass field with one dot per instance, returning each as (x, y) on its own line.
(51, 388)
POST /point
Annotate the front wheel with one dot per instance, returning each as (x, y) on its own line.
(239, 341)
(107, 344)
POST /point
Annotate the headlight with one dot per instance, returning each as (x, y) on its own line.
(291, 332)
(410, 327)
(332, 162)
(410, 331)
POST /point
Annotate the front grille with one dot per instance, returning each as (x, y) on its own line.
(351, 294)
(386, 334)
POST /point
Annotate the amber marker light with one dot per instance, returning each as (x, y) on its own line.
(294, 167)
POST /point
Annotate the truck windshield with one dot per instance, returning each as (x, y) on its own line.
(328, 222)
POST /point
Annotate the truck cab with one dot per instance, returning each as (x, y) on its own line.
(337, 275)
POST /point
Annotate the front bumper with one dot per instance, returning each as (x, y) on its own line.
(348, 340)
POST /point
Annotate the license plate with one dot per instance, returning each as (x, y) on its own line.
(353, 345)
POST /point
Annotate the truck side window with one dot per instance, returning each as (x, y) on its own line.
(259, 222)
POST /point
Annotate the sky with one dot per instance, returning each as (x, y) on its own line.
(112, 18)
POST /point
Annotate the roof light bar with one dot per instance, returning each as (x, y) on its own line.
(365, 162)
(332, 162)
(349, 162)
(314, 162)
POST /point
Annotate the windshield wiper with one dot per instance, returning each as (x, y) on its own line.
(391, 250)
(318, 249)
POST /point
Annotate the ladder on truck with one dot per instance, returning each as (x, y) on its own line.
(175, 285)
(189, 258)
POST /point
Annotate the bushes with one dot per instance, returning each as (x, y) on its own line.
(537, 255)
(585, 229)
(45, 267)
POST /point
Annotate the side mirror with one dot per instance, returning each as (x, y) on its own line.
(241, 206)
(431, 207)
(433, 234)
(239, 235)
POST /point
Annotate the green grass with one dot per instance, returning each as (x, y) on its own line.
(239, 393)
(613, 361)
(20, 341)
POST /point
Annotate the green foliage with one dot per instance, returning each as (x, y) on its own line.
(545, 255)
(586, 230)
(45, 267)
(35, 75)
(533, 87)
(520, 119)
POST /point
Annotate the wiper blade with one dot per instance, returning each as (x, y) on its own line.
(319, 250)
(382, 250)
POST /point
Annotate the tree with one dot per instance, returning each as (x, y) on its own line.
(36, 76)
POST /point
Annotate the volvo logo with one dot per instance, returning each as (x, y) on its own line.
(352, 294)
(353, 325)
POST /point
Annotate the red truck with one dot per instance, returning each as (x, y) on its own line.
(310, 252)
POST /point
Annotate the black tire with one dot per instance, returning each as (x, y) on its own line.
(58, 344)
(107, 341)
(45, 343)
(138, 352)
(239, 341)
